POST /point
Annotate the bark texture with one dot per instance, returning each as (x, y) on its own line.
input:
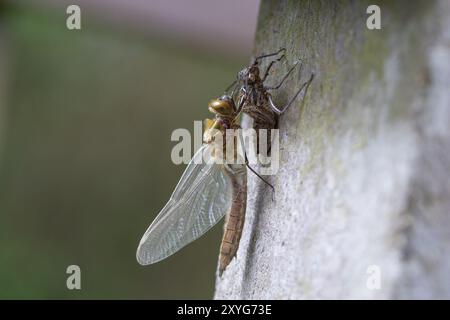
(363, 189)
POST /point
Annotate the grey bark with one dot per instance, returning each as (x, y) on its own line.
(364, 171)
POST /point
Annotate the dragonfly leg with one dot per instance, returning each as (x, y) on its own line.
(282, 110)
(270, 54)
(257, 174)
(232, 85)
(266, 74)
(253, 170)
(287, 75)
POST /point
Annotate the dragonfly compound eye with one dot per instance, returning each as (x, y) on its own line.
(221, 107)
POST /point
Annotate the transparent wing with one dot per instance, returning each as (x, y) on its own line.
(200, 200)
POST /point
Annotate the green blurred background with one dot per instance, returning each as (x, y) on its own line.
(85, 124)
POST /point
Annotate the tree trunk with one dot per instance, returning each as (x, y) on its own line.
(362, 201)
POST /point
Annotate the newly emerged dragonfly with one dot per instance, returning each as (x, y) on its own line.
(205, 193)
(208, 191)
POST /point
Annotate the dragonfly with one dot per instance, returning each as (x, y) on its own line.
(205, 193)
(208, 191)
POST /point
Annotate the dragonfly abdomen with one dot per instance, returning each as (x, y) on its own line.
(235, 221)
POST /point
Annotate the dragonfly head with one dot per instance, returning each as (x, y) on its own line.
(223, 106)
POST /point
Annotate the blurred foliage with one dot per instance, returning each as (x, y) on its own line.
(86, 158)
